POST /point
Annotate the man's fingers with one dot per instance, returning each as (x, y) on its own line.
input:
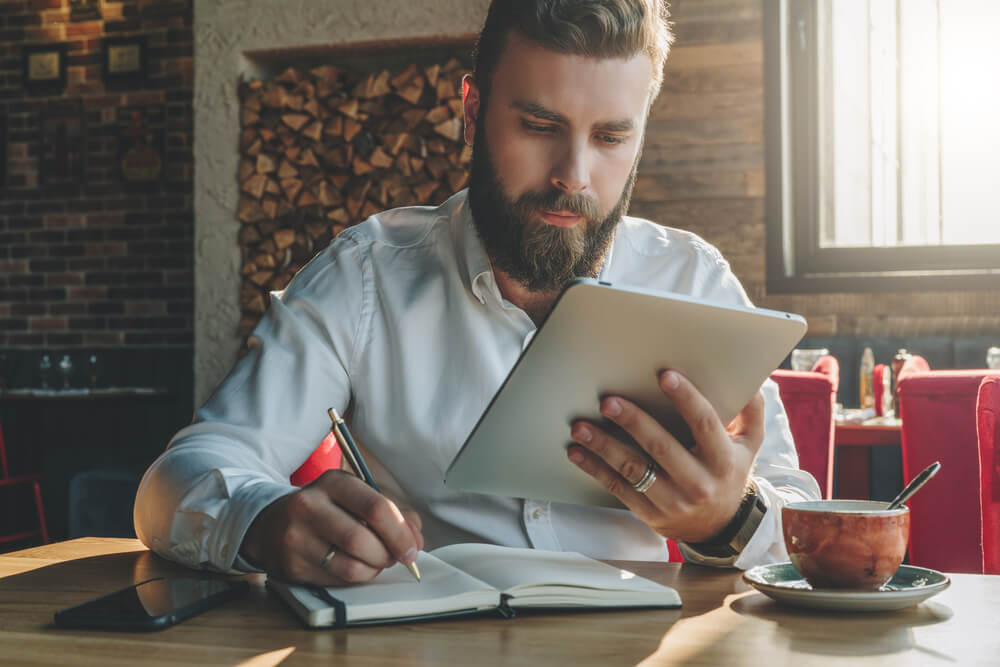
(382, 517)
(618, 486)
(748, 426)
(712, 440)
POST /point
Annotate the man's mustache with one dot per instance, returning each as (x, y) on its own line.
(554, 200)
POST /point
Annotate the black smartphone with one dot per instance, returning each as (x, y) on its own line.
(151, 605)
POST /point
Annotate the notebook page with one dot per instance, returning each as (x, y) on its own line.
(551, 572)
(395, 592)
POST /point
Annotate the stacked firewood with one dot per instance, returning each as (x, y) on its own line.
(326, 148)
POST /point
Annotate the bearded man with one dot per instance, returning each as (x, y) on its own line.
(412, 319)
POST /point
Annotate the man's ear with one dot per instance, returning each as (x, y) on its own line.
(470, 102)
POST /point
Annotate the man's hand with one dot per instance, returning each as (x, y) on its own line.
(338, 511)
(698, 491)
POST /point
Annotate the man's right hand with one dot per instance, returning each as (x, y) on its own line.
(290, 537)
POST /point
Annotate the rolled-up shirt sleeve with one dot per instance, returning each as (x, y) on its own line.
(197, 500)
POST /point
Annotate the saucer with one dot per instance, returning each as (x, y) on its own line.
(909, 586)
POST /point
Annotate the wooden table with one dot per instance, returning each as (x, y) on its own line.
(723, 622)
(852, 446)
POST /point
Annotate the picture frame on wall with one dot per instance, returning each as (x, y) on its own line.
(63, 143)
(124, 60)
(84, 10)
(141, 145)
(43, 68)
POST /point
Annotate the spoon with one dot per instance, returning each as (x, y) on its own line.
(914, 485)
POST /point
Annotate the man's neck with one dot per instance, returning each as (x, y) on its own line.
(536, 304)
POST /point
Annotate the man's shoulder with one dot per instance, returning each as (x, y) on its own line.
(403, 227)
(652, 239)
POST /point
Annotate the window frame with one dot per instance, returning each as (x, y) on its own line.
(795, 261)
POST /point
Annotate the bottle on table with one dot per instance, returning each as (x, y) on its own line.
(902, 355)
(866, 388)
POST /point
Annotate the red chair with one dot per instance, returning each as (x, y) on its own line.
(938, 409)
(6, 480)
(809, 399)
(325, 457)
(988, 422)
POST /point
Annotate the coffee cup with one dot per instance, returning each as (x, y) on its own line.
(855, 544)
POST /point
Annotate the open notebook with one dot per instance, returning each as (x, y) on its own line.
(464, 579)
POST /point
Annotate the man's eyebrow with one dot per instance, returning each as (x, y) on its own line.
(538, 111)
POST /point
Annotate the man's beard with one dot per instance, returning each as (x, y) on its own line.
(540, 256)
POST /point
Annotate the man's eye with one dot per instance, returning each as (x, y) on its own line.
(535, 127)
(611, 139)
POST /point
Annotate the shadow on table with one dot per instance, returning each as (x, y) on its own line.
(864, 634)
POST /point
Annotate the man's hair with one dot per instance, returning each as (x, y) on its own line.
(594, 28)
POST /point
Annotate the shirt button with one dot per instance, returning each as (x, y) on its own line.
(537, 514)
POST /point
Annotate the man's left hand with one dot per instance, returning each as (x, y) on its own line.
(698, 491)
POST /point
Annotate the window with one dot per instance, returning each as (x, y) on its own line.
(883, 125)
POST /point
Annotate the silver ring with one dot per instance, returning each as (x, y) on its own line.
(647, 480)
(328, 557)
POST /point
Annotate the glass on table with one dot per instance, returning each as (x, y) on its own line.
(993, 357)
(66, 371)
(44, 371)
(803, 359)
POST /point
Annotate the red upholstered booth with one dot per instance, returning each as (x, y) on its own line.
(938, 409)
(325, 457)
(988, 421)
(809, 399)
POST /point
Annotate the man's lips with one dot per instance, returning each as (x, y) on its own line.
(561, 218)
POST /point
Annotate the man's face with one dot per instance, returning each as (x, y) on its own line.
(554, 158)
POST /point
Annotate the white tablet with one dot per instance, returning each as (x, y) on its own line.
(601, 339)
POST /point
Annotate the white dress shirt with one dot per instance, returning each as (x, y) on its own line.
(401, 320)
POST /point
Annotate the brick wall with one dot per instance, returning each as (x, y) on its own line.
(97, 262)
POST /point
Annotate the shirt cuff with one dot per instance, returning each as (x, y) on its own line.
(235, 520)
(767, 545)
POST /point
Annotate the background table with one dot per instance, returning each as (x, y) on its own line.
(723, 622)
(853, 448)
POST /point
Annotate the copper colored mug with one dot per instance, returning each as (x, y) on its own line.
(855, 544)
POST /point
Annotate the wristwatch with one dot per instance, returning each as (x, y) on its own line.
(731, 541)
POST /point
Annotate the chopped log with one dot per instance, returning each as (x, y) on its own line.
(378, 158)
(339, 215)
(450, 129)
(450, 66)
(340, 179)
(438, 114)
(249, 117)
(306, 199)
(261, 277)
(313, 108)
(445, 89)
(403, 164)
(458, 179)
(456, 106)
(334, 126)
(437, 166)
(287, 137)
(466, 155)
(360, 166)
(326, 73)
(255, 185)
(327, 194)
(248, 210)
(313, 131)
(308, 159)
(412, 91)
(416, 163)
(266, 134)
(432, 74)
(395, 142)
(266, 163)
(317, 230)
(295, 120)
(368, 210)
(246, 170)
(293, 102)
(265, 261)
(248, 268)
(286, 170)
(412, 117)
(403, 76)
(253, 303)
(349, 108)
(270, 207)
(291, 76)
(354, 205)
(351, 129)
(251, 99)
(373, 85)
(284, 238)
(247, 137)
(254, 148)
(291, 187)
(424, 190)
(273, 97)
(247, 235)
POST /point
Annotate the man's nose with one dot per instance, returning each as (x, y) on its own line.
(570, 174)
